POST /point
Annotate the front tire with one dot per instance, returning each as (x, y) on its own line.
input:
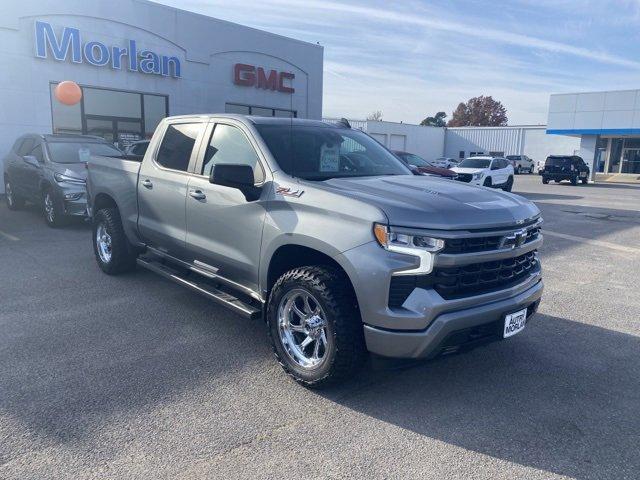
(574, 180)
(315, 327)
(112, 250)
(52, 210)
(487, 182)
(545, 180)
(14, 202)
(509, 185)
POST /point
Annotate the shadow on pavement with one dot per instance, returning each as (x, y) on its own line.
(563, 398)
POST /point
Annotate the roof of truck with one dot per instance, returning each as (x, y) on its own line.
(260, 120)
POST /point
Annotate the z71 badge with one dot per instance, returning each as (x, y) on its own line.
(287, 192)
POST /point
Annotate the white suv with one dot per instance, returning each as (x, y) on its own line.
(494, 172)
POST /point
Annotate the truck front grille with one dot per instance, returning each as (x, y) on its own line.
(479, 278)
(464, 177)
(480, 244)
(465, 281)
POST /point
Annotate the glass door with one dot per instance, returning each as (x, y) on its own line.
(121, 132)
(630, 160)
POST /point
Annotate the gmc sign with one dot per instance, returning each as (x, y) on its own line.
(251, 76)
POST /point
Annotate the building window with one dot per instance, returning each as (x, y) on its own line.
(259, 111)
(120, 117)
(461, 155)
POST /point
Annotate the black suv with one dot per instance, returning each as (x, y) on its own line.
(565, 167)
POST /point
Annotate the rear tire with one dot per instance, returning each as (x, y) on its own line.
(111, 247)
(509, 185)
(14, 202)
(585, 181)
(325, 298)
(574, 180)
(545, 180)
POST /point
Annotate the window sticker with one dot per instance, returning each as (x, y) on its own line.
(330, 158)
(84, 155)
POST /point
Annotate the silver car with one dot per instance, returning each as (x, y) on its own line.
(50, 171)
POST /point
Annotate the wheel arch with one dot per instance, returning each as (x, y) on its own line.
(104, 200)
(292, 255)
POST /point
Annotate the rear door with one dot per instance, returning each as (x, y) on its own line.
(162, 187)
(35, 174)
(22, 170)
(224, 229)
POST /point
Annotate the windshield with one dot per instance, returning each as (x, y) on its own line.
(412, 159)
(79, 152)
(317, 153)
(559, 161)
(475, 163)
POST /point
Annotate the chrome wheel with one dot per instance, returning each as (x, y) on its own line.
(302, 325)
(49, 209)
(8, 194)
(103, 241)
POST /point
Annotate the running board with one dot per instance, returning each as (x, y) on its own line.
(209, 291)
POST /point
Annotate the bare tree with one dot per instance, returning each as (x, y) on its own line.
(479, 112)
(375, 116)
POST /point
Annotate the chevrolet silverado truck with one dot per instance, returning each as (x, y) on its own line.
(324, 234)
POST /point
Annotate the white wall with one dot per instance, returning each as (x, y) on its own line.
(538, 145)
(207, 49)
(427, 142)
(595, 112)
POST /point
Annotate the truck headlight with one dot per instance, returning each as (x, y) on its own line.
(60, 178)
(477, 176)
(419, 246)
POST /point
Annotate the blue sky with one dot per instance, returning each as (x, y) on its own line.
(413, 58)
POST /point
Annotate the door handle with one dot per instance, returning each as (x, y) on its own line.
(147, 183)
(197, 194)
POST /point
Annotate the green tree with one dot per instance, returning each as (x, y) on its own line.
(438, 120)
(479, 112)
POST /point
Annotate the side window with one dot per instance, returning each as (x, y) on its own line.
(37, 152)
(26, 147)
(229, 145)
(177, 145)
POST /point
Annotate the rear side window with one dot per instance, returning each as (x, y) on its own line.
(26, 147)
(229, 145)
(139, 149)
(176, 147)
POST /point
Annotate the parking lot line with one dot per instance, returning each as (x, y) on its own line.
(597, 243)
(8, 236)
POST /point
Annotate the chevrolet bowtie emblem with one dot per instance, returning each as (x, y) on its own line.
(514, 240)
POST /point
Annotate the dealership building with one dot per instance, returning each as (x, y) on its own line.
(139, 61)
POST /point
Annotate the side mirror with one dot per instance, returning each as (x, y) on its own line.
(235, 176)
(31, 160)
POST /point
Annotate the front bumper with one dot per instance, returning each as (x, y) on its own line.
(73, 200)
(440, 336)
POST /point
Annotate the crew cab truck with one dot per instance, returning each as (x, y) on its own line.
(565, 167)
(323, 233)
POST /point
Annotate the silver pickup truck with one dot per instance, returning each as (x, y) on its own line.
(323, 233)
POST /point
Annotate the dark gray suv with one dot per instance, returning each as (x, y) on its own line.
(50, 170)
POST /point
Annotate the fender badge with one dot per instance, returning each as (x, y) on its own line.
(287, 192)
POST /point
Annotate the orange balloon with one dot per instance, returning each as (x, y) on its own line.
(68, 92)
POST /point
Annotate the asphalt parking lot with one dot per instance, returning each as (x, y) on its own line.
(135, 377)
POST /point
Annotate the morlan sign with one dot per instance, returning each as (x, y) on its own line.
(99, 54)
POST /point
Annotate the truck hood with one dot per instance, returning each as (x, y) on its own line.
(436, 203)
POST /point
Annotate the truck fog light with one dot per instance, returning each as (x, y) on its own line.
(73, 196)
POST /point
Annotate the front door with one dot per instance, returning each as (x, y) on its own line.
(120, 131)
(224, 229)
(162, 188)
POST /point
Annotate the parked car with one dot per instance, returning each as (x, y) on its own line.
(495, 172)
(323, 233)
(565, 167)
(50, 170)
(521, 164)
(423, 166)
(445, 162)
(137, 149)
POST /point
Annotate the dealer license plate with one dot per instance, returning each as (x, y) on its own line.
(514, 323)
(583, 174)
